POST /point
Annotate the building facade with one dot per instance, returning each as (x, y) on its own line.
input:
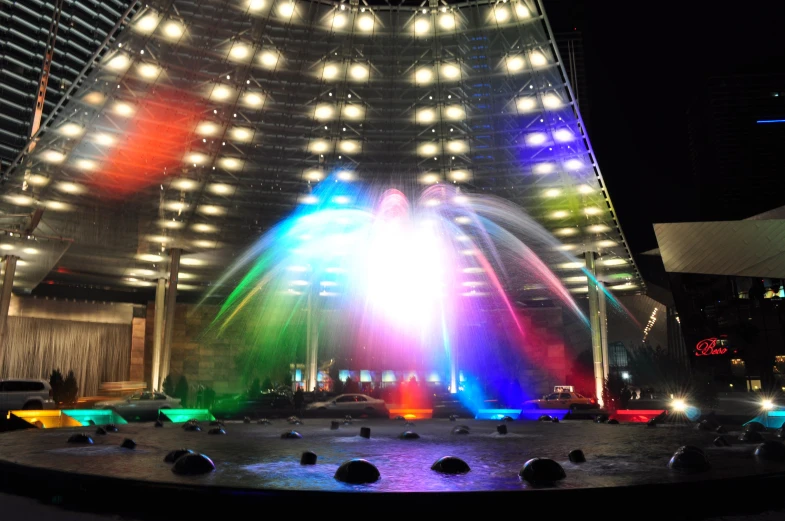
(727, 283)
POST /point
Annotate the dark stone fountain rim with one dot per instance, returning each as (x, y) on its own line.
(159, 500)
(198, 498)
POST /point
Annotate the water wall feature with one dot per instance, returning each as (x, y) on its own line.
(423, 283)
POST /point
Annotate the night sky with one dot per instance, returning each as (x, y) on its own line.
(644, 63)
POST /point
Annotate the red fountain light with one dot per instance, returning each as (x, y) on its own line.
(154, 142)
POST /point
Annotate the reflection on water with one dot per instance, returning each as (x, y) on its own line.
(254, 456)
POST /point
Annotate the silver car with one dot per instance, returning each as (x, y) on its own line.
(25, 393)
(143, 405)
(352, 404)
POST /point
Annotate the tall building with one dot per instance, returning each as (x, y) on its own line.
(736, 130)
(203, 125)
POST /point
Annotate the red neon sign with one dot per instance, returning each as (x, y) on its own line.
(708, 347)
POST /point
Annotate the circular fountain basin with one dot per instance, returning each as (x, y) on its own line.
(255, 467)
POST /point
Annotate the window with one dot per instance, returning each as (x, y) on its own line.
(361, 399)
(579, 395)
(160, 396)
(345, 399)
(16, 386)
(146, 396)
(552, 397)
(565, 396)
(136, 396)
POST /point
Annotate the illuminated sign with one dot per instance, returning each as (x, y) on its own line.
(708, 347)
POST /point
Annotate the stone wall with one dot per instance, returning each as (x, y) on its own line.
(138, 328)
(196, 355)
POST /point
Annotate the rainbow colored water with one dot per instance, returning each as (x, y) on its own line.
(392, 284)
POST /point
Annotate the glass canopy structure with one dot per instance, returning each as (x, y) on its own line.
(205, 122)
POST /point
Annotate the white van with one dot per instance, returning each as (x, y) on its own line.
(23, 393)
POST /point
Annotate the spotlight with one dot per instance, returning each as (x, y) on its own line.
(421, 26)
(353, 112)
(119, 62)
(359, 72)
(221, 93)
(149, 71)
(71, 130)
(526, 104)
(451, 72)
(123, 109)
(339, 21)
(239, 51)
(515, 63)
(147, 24)
(252, 99)
(323, 112)
(501, 14)
(173, 30)
(538, 60)
(423, 76)
(286, 9)
(329, 72)
(447, 22)
(551, 101)
(454, 112)
(269, 59)
(426, 116)
(366, 23)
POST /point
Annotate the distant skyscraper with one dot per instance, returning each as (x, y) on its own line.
(570, 45)
(736, 133)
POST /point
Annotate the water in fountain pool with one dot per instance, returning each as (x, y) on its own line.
(255, 456)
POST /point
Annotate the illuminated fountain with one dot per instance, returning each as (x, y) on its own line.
(426, 284)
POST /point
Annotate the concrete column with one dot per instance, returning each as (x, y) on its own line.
(596, 328)
(311, 342)
(5, 301)
(171, 298)
(158, 334)
(606, 361)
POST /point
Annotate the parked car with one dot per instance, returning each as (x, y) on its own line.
(565, 400)
(144, 405)
(262, 405)
(23, 393)
(352, 404)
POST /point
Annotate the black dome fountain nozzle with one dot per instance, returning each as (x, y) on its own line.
(173, 455)
(357, 472)
(689, 459)
(450, 465)
(191, 464)
(542, 472)
(577, 456)
(308, 458)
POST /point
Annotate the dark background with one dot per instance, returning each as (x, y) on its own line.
(646, 63)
